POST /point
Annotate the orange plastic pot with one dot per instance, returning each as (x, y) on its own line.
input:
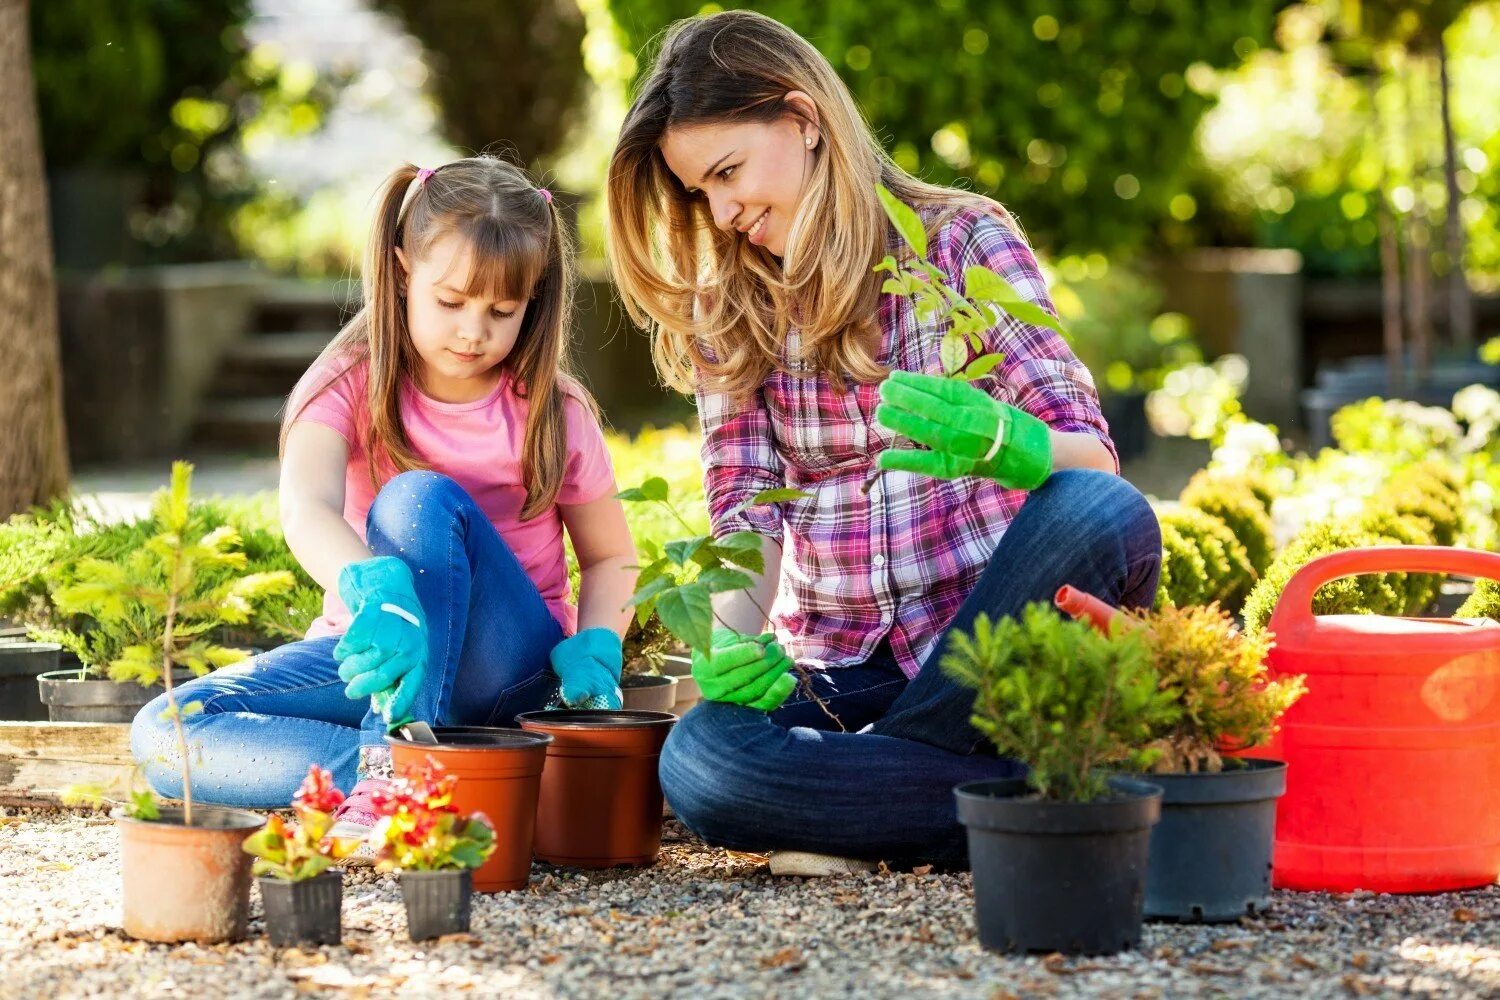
(1393, 782)
(186, 883)
(499, 773)
(601, 803)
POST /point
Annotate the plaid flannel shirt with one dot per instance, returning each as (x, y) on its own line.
(901, 559)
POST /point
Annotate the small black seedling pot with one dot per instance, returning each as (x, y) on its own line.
(437, 903)
(1058, 876)
(306, 912)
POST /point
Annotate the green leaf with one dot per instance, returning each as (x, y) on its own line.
(954, 353)
(653, 490)
(893, 286)
(681, 551)
(982, 366)
(723, 579)
(987, 286)
(687, 612)
(651, 590)
(778, 495)
(907, 222)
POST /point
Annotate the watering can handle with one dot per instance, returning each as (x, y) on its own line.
(1294, 609)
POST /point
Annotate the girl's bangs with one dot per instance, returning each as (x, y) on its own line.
(505, 262)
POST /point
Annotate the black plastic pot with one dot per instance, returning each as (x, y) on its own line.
(1211, 852)
(1058, 876)
(437, 903)
(306, 912)
(94, 699)
(20, 665)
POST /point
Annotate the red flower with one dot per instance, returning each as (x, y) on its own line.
(317, 792)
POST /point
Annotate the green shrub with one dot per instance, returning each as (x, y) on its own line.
(1061, 696)
(1377, 593)
(1232, 500)
(1227, 574)
(1483, 603)
(1183, 573)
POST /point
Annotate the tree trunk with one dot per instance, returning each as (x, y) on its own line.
(1418, 225)
(33, 446)
(1390, 256)
(1460, 303)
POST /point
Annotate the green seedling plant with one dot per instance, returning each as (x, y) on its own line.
(963, 318)
(679, 579)
(161, 581)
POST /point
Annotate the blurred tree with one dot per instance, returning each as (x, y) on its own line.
(1077, 114)
(508, 73)
(33, 452)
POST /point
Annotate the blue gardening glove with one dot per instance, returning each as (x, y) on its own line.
(969, 432)
(752, 671)
(386, 645)
(589, 664)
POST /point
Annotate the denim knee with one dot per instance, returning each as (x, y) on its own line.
(153, 744)
(400, 499)
(698, 773)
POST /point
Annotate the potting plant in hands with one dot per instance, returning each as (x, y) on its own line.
(1059, 857)
(301, 890)
(677, 584)
(965, 431)
(1211, 852)
(434, 847)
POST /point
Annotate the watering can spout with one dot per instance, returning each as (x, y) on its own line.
(1080, 604)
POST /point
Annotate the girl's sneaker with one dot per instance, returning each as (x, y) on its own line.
(355, 818)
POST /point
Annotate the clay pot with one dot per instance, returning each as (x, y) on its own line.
(186, 883)
(499, 773)
(649, 693)
(601, 803)
(688, 694)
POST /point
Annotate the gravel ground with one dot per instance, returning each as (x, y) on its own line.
(706, 923)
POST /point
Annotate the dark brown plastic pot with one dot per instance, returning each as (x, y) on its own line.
(186, 883)
(499, 774)
(70, 698)
(601, 802)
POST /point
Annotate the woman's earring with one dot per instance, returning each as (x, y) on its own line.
(809, 140)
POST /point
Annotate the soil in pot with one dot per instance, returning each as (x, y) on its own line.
(1211, 852)
(21, 663)
(305, 912)
(649, 692)
(600, 804)
(97, 699)
(499, 774)
(437, 903)
(1058, 876)
(186, 883)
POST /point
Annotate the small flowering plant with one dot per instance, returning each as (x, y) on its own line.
(421, 830)
(304, 849)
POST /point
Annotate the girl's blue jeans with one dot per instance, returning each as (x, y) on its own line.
(791, 780)
(264, 721)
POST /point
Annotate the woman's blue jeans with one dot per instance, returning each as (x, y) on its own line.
(884, 790)
(264, 721)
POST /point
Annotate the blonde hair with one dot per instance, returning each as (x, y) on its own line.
(520, 251)
(690, 283)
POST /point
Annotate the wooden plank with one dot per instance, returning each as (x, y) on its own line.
(39, 759)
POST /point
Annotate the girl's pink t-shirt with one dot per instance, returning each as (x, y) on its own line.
(479, 446)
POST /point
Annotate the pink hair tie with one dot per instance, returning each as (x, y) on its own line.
(546, 195)
(423, 174)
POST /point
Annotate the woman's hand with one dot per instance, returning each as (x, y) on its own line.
(969, 432)
(742, 670)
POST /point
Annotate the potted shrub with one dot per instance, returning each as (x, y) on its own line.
(185, 876)
(301, 892)
(1211, 852)
(1059, 857)
(433, 847)
(499, 775)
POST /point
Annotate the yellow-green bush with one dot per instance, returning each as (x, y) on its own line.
(1380, 594)
(1232, 500)
(1226, 576)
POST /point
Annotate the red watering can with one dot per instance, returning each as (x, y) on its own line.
(1393, 782)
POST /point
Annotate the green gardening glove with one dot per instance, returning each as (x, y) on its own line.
(744, 670)
(970, 432)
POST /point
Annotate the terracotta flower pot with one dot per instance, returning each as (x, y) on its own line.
(186, 883)
(649, 693)
(499, 773)
(600, 804)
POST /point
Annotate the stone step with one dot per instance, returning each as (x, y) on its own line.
(304, 306)
(268, 364)
(251, 424)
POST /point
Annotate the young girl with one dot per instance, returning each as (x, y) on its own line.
(744, 226)
(431, 458)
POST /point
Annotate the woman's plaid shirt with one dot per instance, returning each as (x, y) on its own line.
(901, 559)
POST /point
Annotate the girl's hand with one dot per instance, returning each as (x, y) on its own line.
(589, 665)
(386, 645)
(969, 432)
(740, 670)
